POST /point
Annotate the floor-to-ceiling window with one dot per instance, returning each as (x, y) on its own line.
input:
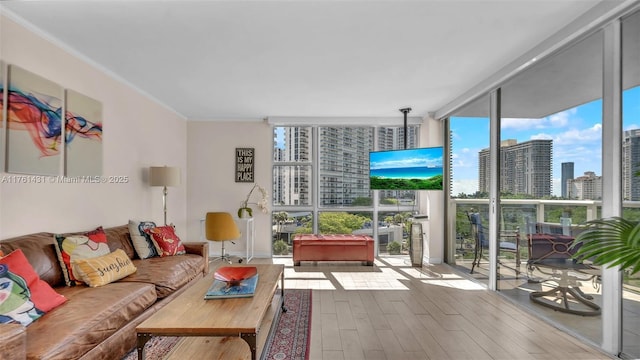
(469, 147)
(292, 198)
(631, 168)
(321, 185)
(551, 155)
(552, 178)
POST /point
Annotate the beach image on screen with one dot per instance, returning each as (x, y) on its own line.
(409, 169)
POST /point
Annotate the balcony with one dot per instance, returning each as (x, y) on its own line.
(518, 281)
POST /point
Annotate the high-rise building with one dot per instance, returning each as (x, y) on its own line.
(344, 164)
(343, 158)
(567, 174)
(292, 181)
(393, 138)
(586, 187)
(631, 165)
(525, 168)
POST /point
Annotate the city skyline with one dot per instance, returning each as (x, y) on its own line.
(576, 135)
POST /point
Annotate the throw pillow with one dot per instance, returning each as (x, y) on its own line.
(105, 269)
(166, 241)
(24, 297)
(141, 240)
(71, 247)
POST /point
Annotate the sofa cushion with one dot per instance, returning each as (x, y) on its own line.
(73, 247)
(167, 273)
(118, 238)
(142, 240)
(23, 296)
(89, 317)
(38, 248)
(166, 241)
(105, 269)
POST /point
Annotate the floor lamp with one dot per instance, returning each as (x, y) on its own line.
(164, 176)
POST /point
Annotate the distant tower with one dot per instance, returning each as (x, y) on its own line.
(526, 168)
(631, 165)
(567, 174)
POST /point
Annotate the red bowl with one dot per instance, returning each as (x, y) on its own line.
(235, 273)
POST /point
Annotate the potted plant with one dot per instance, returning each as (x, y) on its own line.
(262, 203)
(610, 242)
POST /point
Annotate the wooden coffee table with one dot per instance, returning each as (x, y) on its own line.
(189, 315)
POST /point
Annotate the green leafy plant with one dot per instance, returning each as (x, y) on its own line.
(394, 248)
(610, 242)
(280, 247)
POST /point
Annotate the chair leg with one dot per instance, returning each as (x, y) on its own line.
(223, 256)
(564, 305)
(477, 256)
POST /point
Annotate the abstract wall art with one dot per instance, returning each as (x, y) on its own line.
(83, 135)
(34, 124)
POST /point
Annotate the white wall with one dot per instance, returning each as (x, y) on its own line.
(138, 133)
(431, 134)
(212, 187)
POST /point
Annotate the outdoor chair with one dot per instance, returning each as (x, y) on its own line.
(550, 254)
(509, 241)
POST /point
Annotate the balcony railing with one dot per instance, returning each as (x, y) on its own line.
(521, 213)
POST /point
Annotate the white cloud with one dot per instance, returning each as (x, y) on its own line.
(541, 136)
(522, 124)
(466, 186)
(579, 136)
(465, 163)
(561, 119)
(558, 120)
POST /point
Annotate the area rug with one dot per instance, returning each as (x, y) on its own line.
(288, 341)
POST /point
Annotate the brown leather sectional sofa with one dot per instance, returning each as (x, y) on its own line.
(97, 323)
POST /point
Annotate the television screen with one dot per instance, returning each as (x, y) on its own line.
(408, 169)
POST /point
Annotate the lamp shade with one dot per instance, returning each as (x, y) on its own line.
(164, 176)
(220, 226)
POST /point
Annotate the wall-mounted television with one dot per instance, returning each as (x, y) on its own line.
(407, 169)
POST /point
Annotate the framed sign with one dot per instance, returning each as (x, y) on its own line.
(244, 164)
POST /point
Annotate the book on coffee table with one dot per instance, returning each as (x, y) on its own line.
(237, 289)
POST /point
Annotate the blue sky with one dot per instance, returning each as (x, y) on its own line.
(576, 135)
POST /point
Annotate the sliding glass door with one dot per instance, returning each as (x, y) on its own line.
(631, 167)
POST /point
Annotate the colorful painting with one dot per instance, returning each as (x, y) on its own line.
(83, 135)
(34, 123)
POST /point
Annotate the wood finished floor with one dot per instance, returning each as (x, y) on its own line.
(393, 311)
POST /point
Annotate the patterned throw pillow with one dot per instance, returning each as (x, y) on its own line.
(24, 297)
(105, 269)
(71, 247)
(141, 240)
(166, 241)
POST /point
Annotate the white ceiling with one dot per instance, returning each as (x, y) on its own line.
(253, 59)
